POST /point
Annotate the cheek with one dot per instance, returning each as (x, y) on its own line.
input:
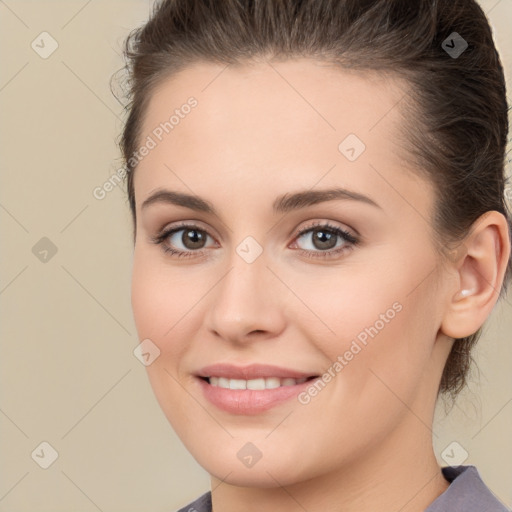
(160, 296)
(159, 305)
(375, 323)
(168, 308)
(379, 352)
(159, 308)
(146, 289)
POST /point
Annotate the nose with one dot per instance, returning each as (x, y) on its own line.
(246, 304)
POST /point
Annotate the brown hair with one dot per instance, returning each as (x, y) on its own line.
(456, 124)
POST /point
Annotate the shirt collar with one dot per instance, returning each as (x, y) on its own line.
(467, 493)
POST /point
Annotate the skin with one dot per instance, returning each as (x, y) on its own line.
(364, 443)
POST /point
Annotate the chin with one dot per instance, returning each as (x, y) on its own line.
(264, 477)
(268, 472)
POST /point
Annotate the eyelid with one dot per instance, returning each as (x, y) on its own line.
(172, 227)
(326, 224)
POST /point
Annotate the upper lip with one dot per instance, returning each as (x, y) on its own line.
(252, 371)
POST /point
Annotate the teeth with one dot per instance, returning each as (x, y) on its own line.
(237, 384)
(257, 384)
(272, 383)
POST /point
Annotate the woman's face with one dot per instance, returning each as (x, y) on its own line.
(262, 287)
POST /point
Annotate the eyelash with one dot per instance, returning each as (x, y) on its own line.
(351, 241)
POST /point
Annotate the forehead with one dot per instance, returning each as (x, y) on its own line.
(273, 121)
(304, 95)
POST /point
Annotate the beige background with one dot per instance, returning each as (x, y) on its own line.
(68, 374)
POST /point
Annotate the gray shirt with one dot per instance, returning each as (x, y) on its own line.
(466, 493)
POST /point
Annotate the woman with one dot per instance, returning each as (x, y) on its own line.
(320, 229)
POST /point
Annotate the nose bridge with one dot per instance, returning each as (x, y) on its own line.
(245, 300)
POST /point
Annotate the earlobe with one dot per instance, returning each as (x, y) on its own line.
(480, 270)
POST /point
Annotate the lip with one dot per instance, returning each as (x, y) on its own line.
(250, 401)
(252, 371)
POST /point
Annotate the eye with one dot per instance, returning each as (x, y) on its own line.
(325, 240)
(182, 241)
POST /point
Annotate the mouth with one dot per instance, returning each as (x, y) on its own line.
(252, 389)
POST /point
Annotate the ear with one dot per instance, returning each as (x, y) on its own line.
(480, 263)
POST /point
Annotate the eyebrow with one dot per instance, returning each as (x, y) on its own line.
(283, 204)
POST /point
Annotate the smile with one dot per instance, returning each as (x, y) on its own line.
(253, 396)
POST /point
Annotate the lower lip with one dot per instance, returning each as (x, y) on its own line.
(249, 401)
